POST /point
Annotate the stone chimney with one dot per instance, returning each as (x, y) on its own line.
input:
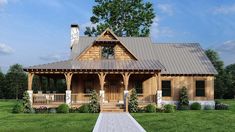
(74, 34)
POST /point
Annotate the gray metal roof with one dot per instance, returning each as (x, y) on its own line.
(183, 58)
(103, 65)
(177, 58)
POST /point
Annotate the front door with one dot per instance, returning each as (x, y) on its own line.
(113, 92)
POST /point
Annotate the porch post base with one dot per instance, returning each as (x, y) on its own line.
(68, 97)
(102, 94)
(30, 92)
(159, 98)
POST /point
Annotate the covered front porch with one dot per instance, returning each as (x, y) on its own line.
(112, 84)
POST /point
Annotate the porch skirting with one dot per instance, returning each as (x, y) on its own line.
(203, 103)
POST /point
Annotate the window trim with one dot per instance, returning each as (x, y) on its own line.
(195, 87)
(171, 84)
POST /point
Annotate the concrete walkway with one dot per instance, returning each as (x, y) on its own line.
(117, 122)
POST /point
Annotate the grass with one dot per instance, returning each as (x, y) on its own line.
(194, 121)
(72, 122)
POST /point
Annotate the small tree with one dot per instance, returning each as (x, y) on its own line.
(26, 103)
(183, 99)
(94, 105)
(133, 102)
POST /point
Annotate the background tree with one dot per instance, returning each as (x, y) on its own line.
(2, 80)
(16, 82)
(230, 70)
(124, 17)
(223, 80)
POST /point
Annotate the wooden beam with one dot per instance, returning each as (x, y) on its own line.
(30, 80)
(68, 78)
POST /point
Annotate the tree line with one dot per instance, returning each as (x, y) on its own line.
(14, 82)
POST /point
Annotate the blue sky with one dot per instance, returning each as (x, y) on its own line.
(38, 31)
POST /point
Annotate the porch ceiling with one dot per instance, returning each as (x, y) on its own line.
(99, 65)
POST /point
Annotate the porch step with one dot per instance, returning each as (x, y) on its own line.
(112, 107)
(113, 110)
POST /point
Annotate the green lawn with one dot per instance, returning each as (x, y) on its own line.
(73, 122)
(212, 120)
(185, 121)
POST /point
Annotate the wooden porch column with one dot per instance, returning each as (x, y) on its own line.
(68, 78)
(159, 90)
(30, 82)
(126, 76)
(102, 80)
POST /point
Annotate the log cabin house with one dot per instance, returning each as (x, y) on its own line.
(113, 66)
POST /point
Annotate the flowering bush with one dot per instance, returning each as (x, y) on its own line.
(41, 109)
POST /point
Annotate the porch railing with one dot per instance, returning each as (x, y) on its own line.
(80, 98)
(146, 99)
(48, 98)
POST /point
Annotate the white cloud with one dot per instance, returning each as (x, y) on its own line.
(55, 56)
(165, 8)
(225, 9)
(3, 2)
(5, 49)
(158, 31)
(226, 47)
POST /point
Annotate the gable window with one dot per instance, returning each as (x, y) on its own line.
(88, 86)
(166, 88)
(200, 88)
(107, 52)
(138, 87)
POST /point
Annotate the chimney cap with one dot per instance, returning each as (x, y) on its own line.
(75, 25)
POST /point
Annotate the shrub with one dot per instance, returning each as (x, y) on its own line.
(18, 108)
(26, 103)
(84, 108)
(221, 106)
(133, 102)
(217, 102)
(94, 105)
(73, 110)
(196, 106)
(161, 109)
(63, 108)
(183, 107)
(41, 109)
(52, 110)
(208, 107)
(141, 110)
(150, 108)
(169, 108)
(183, 99)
